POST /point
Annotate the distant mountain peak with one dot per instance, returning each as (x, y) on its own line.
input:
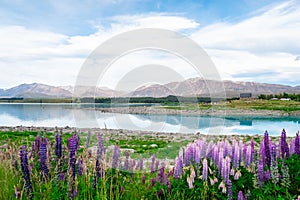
(193, 86)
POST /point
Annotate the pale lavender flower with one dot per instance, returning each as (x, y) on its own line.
(229, 188)
(178, 167)
(152, 163)
(240, 195)
(297, 144)
(25, 171)
(43, 157)
(292, 146)
(116, 157)
(261, 174)
(205, 169)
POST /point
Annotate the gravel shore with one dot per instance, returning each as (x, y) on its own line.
(209, 112)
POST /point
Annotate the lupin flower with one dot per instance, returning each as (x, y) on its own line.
(178, 167)
(240, 195)
(126, 163)
(297, 144)
(252, 149)
(100, 148)
(261, 174)
(292, 146)
(163, 178)
(225, 168)
(143, 179)
(116, 157)
(58, 146)
(229, 188)
(248, 156)
(204, 169)
(61, 176)
(267, 149)
(267, 175)
(152, 163)
(80, 166)
(262, 152)
(236, 156)
(72, 155)
(25, 171)
(43, 157)
(284, 146)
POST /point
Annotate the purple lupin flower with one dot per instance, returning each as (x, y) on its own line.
(25, 170)
(284, 146)
(178, 167)
(152, 163)
(152, 182)
(240, 195)
(43, 158)
(267, 149)
(220, 160)
(248, 156)
(236, 156)
(210, 148)
(261, 174)
(80, 166)
(297, 144)
(197, 154)
(37, 143)
(72, 155)
(169, 186)
(143, 179)
(205, 169)
(61, 176)
(267, 175)
(126, 163)
(252, 149)
(100, 147)
(229, 189)
(262, 152)
(141, 164)
(188, 155)
(225, 168)
(292, 146)
(58, 146)
(116, 156)
(163, 178)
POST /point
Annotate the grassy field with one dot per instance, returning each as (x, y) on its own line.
(287, 106)
(219, 167)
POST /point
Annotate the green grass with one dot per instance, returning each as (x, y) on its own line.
(286, 106)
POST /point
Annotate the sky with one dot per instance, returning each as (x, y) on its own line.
(248, 40)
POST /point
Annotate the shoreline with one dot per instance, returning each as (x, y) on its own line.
(208, 112)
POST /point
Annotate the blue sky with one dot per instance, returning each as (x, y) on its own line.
(248, 40)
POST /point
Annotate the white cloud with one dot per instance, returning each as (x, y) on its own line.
(265, 42)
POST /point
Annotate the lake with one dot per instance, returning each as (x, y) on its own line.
(83, 115)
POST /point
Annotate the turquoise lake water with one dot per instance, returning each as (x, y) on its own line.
(62, 115)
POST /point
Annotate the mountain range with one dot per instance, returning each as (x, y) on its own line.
(194, 86)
